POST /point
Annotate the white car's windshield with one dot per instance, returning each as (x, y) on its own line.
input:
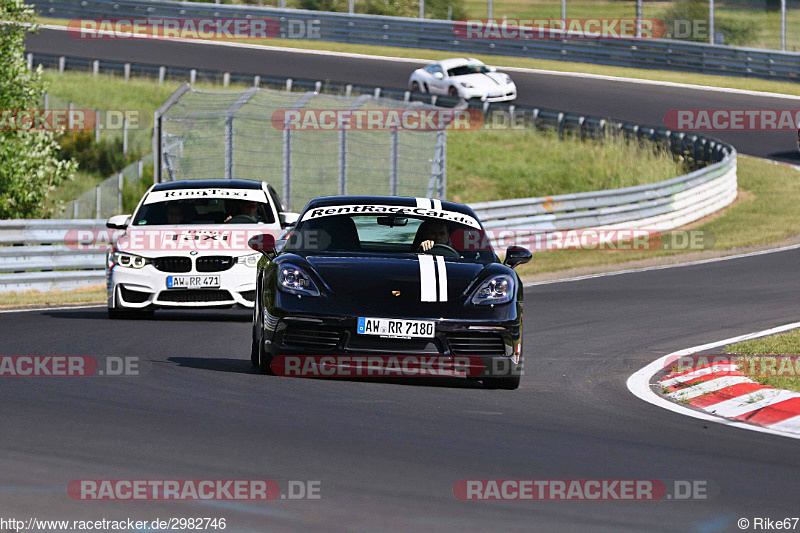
(464, 70)
(204, 211)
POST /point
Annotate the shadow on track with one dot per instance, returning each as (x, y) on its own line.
(243, 366)
(200, 315)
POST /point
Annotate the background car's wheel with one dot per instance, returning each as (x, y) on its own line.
(453, 92)
(504, 383)
(414, 87)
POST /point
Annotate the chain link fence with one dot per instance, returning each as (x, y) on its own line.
(244, 135)
(105, 199)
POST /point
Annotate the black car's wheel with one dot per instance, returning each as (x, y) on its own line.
(264, 361)
(414, 87)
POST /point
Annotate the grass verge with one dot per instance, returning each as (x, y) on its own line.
(95, 294)
(765, 212)
(522, 62)
(777, 372)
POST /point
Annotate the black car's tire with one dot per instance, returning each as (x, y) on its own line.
(504, 383)
(254, 352)
(264, 361)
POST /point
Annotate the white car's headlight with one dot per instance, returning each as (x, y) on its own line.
(249, 260)
(508, 79)
(467, 85)
(495, 290)
(294, 280)
(127, 260)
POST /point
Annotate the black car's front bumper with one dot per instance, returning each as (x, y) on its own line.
(494, 346)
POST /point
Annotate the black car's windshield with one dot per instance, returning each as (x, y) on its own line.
(464, 70)
(381, 234)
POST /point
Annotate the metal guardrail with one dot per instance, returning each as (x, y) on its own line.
(660, 206)
(35, 258)
(440, 35)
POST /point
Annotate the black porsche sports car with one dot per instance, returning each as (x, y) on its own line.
(364, 276)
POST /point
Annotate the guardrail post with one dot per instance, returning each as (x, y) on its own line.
(560, 126)
(61, 63)
(394, 182)
(256, 81)
(342, 159)
(69, 119)
(377, 92)
(30, 61)
(287, 164)
(95, 67)
(162, 74)
(288, 84)
(407, 96)
(140, 168)
(193, 76)
(124, 135)
(127, 70)
(226, 79)
(75, 209)
(348, 90)
(120, 184)
(97, 125)
(97, 201)
(318, 87)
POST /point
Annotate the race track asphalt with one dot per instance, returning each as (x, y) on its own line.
(388, 453)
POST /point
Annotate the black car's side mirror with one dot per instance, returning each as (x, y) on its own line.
(264, 243)
(517, 255)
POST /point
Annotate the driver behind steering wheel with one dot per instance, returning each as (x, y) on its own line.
(431, 232)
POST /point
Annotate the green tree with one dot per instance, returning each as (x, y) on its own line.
(29, 163)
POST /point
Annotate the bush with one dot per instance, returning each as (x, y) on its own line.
(734, 33)
(103, 158)
(436, 9)
(132, 191)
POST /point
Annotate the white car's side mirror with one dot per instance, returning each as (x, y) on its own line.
(438, 75)
(289, 219)
(118, 222)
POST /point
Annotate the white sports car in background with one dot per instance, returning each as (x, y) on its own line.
(463, 78)
(186, 246)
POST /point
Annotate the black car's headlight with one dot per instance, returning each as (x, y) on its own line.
(294, 280)
(127, 260)
(495, 290)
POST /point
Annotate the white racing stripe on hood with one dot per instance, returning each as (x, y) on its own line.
(442, 268)
(427, 278)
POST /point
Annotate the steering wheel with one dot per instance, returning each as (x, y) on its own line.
(450, 251)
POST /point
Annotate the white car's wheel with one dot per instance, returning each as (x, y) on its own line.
(414, 87)
(452, 91)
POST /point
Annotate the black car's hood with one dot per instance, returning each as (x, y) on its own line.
(418, 278)
(369, 285)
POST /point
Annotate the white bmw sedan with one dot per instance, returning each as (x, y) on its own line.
(463, 78)
(185, 246)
